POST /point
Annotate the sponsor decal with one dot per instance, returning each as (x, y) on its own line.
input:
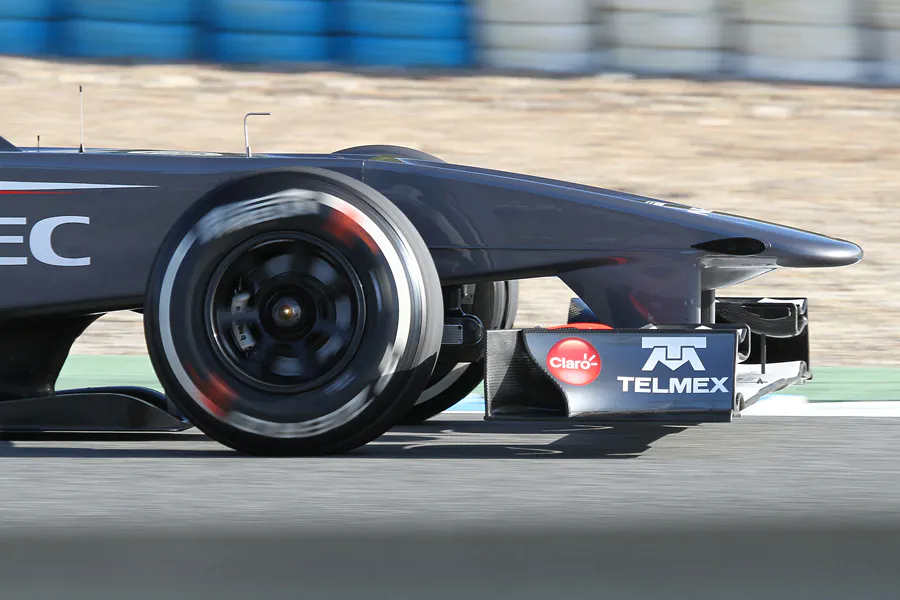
(674, 385)
(574, 361)
(40, 241)
(51, 187)
(691, 209)
(674, 353)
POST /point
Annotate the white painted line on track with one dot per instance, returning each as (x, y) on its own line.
(798, 406)
(775, 405)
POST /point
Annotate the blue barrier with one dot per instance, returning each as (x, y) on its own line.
(137, 11)
(257, 31)
(273, 16)
(408, 52)
(28, 9)
(407, 33)
(268, 47)
(113, 39)
(24, 37)
(139, 29)
(406, 18)
(422, 33)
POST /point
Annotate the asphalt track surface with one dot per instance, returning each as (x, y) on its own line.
(779, 506)
(459, 470)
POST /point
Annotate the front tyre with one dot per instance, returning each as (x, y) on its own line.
(389, 150)
(496, 304)
(293, 312)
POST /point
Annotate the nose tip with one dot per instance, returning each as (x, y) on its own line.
(844, 253)
(820, 251)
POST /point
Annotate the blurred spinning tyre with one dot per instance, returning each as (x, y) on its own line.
(496, 304)
(293, 312)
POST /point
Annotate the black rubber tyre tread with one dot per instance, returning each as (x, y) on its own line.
(504, 311)
(406, 384)
(506, 304)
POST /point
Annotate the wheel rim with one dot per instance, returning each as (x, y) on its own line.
(286, 312)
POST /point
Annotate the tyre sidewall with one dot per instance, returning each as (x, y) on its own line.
(497, 306)
(390, 357)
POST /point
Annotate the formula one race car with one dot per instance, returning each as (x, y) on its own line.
(300, 304)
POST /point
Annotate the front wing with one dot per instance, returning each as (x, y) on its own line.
(660, 373)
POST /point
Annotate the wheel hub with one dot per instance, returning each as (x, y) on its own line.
(287, 313)
(291, 313)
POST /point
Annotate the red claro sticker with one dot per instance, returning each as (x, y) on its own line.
(574, 361)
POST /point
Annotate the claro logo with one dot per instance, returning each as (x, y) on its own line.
(574, 361)
(40, 241)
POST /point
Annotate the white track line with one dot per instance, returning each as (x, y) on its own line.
(786, 405)
(799, 406)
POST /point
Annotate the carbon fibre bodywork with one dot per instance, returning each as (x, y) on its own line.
(79, 232)
(633, 260)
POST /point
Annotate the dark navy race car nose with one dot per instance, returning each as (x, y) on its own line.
(841, 253)
(810, 250)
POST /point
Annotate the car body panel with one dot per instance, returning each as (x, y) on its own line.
(632, 259)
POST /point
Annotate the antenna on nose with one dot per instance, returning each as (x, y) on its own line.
(81, 118)
(247, 134)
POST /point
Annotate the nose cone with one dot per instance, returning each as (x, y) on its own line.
(791, 247)
(810, 250)
(840, 253)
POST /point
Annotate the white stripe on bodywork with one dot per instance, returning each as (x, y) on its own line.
(12, 261)
(31, 186)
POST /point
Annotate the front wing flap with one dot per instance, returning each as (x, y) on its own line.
(678, 373)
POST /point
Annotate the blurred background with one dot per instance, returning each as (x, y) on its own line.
(846, 41)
